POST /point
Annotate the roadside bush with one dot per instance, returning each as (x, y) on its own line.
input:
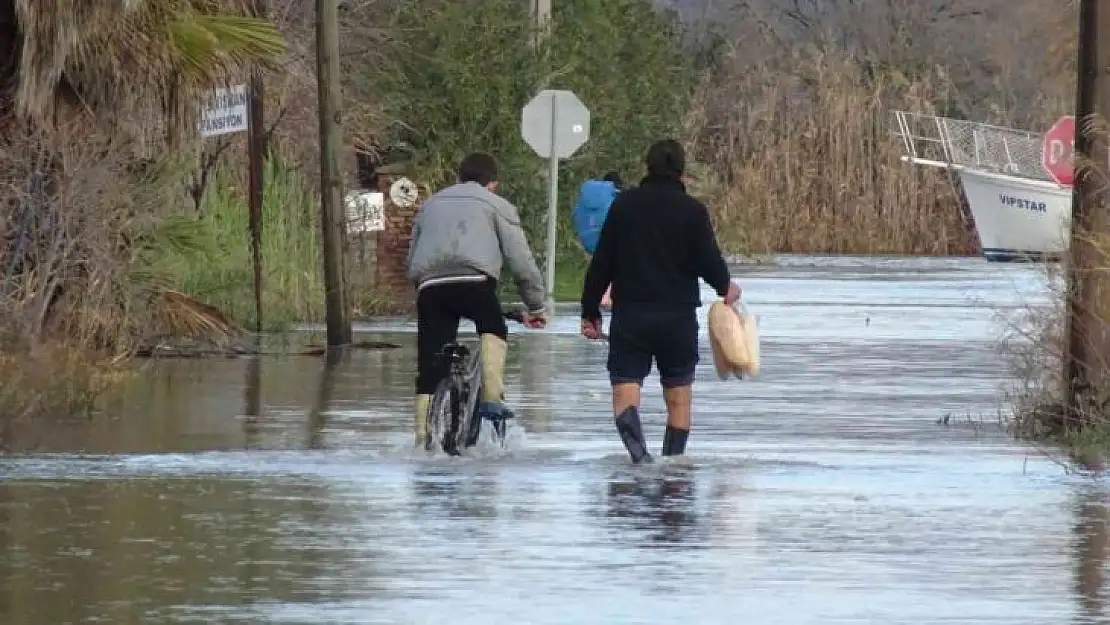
(460, 72)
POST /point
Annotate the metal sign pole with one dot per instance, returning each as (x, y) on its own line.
(552, 206)
(554, 124)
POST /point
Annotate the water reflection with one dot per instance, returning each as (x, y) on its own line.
(1091, 550)
(663, 507)
(447, 492)
(9, 554)
(317, 421)
(540, 363)
(122, 552)
(253, 399)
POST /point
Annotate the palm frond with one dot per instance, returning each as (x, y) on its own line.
(177, 314)
(204, 42)
(125, 57)
(177, 235)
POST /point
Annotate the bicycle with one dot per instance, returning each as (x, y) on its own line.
(454, 415)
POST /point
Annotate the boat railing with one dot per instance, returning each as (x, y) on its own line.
(954, 143)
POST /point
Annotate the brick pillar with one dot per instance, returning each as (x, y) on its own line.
(393, 250)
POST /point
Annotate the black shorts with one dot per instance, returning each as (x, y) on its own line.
(638, 336)
(439, 309)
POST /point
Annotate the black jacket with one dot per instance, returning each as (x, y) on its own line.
(655, 244)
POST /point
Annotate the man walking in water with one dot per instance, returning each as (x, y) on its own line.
(657, 241)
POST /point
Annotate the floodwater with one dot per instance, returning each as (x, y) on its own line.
(823, 491)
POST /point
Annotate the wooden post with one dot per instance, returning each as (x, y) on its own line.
(256, 150)
(1087, 348)
(332, 215)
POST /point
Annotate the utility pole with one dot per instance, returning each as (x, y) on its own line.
(541, 13)
(1087, 348)
(332, 222)
(256, 149)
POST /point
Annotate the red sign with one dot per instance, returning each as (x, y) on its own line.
(1057, 149)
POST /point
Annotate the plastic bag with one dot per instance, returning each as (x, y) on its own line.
(734, 337)
(751, 338)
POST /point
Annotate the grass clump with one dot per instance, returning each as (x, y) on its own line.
(1035, 345)
(223, 275)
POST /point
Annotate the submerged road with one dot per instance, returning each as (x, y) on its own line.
(821, 492)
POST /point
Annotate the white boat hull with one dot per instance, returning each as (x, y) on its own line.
(1017, 218)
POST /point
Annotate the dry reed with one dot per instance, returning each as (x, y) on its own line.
(792, 125)
(806, 164)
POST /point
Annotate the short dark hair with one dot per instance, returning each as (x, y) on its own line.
(613, 177)
(478, 167)
(666, 158)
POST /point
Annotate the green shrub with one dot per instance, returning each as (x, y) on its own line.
(462, 71)
(224, 278)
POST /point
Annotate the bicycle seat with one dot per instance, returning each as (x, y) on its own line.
(455, 352)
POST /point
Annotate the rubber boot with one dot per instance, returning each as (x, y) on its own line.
(491, 398)
(420, 419)
(674, 441)
(632, 435)
(494, 350)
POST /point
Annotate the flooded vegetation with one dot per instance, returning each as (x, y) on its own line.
(282, 489)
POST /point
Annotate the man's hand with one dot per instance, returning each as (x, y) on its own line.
(733, 294)
(591, 329)
(536, 319)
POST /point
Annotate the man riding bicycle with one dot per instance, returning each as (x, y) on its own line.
(460, 239)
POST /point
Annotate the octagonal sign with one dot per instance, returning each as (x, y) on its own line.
(555, 123)
(1057, 148)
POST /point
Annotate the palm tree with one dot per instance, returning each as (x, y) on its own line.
(126, 60)
(127, 72)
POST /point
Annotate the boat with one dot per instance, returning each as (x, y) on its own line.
(1020, 213)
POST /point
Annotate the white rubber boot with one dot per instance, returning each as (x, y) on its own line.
(494, 350)
(420, 419)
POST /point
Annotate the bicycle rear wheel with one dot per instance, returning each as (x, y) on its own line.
(468, 411)
(443, 416)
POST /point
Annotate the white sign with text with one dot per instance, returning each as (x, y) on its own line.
(224, 112)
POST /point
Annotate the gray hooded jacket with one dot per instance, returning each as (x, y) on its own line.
(465, 232)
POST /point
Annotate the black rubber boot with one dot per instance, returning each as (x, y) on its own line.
(632, 435)
(674, 441)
